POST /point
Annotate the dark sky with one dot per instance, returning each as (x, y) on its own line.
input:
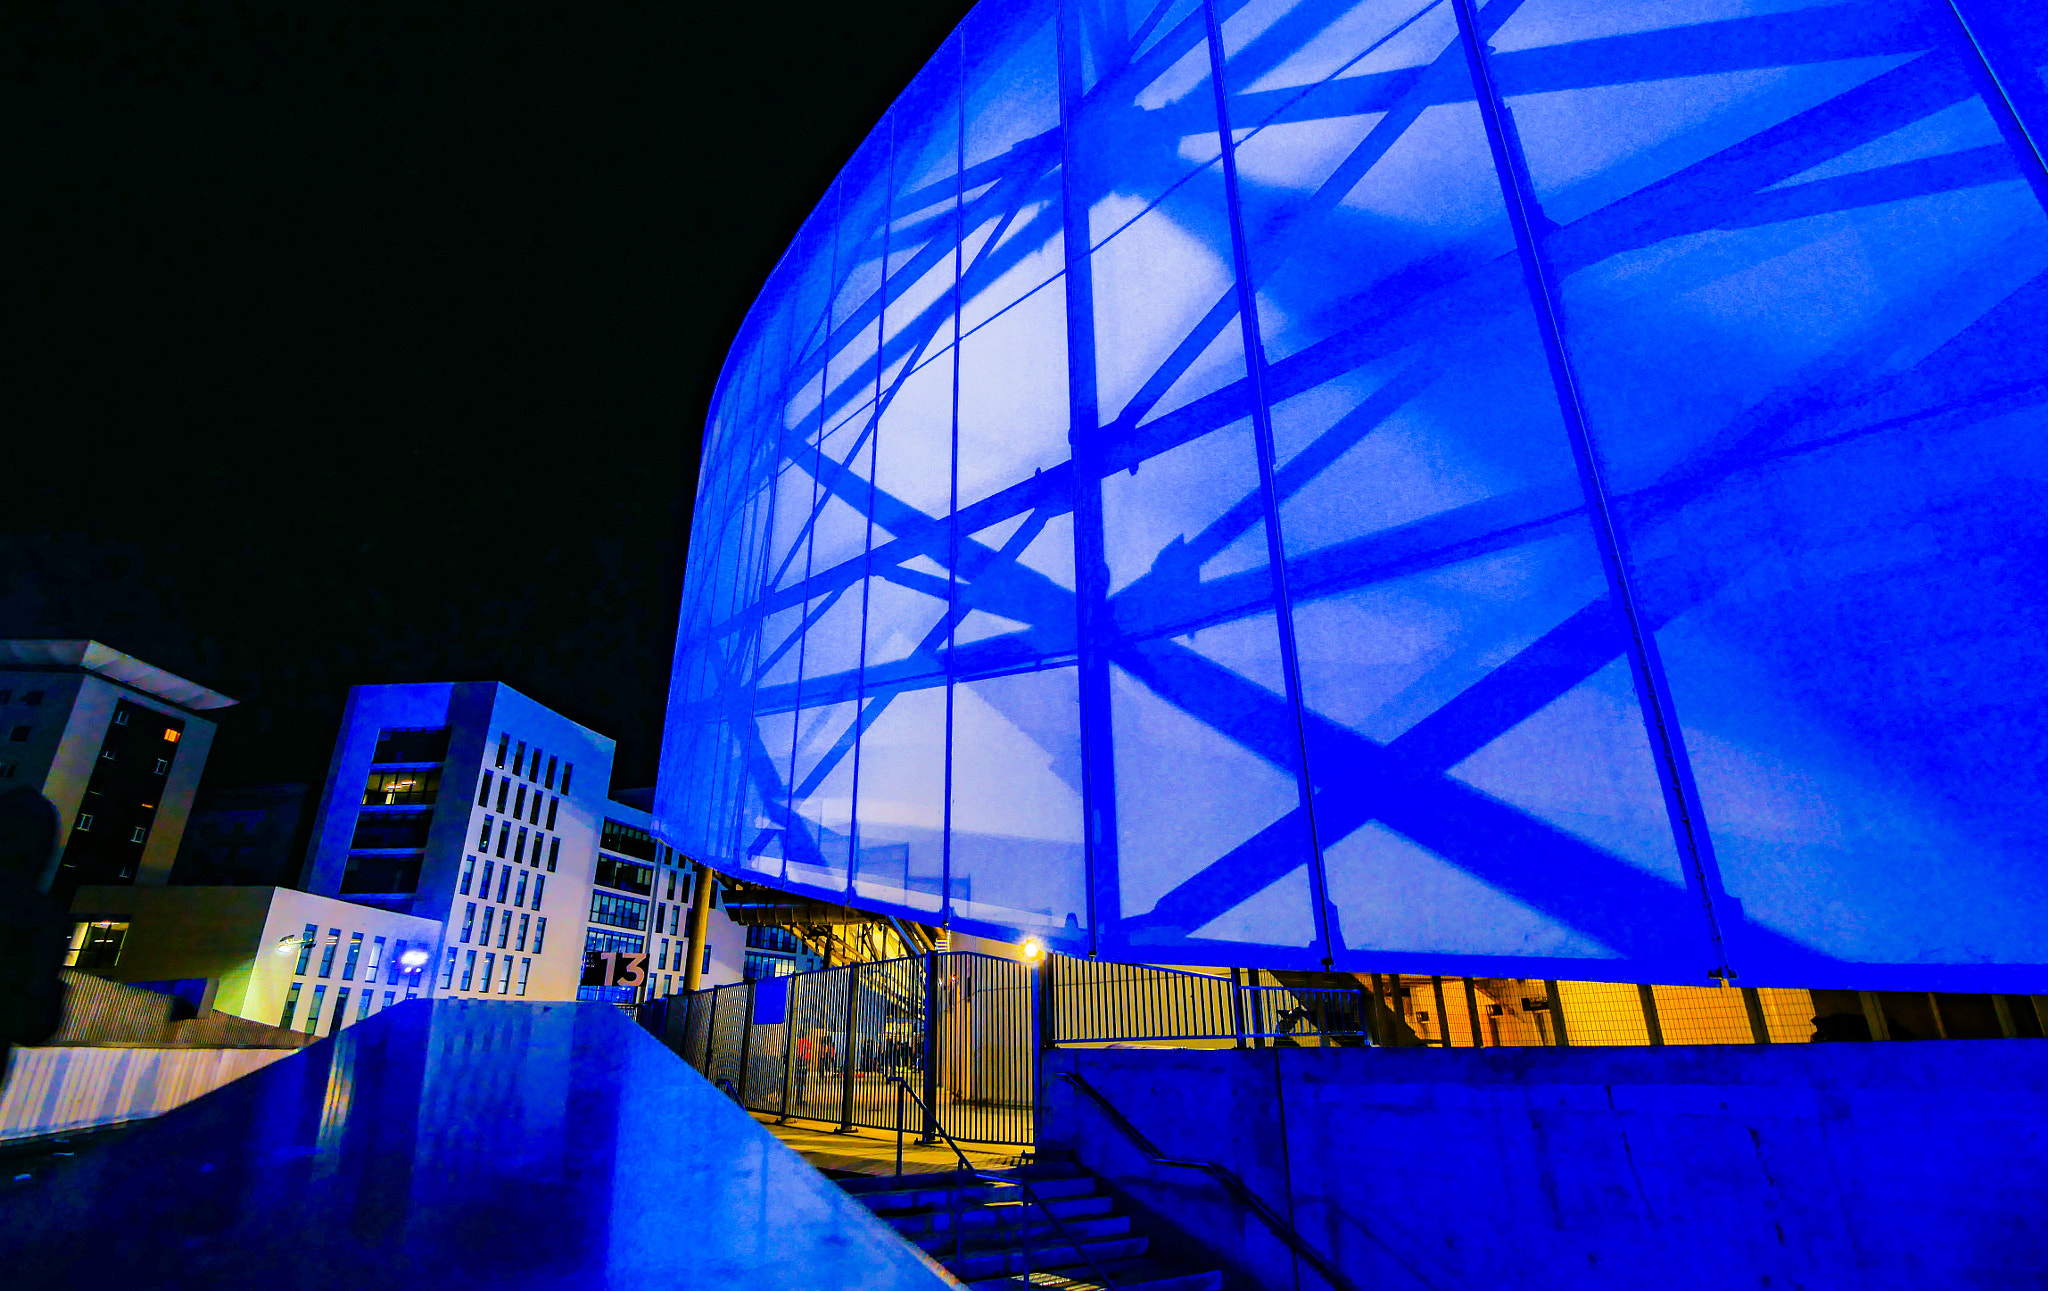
(369, 342)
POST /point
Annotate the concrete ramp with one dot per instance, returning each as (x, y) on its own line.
(455, 1143)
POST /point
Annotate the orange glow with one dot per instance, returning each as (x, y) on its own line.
(170, 737)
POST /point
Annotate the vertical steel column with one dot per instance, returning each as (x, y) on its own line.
(1556, 1001)
(845, 1056)
(1237, 1004)
(710, 1034)
(1472, 1007)
(1262, 442)
(1759, 1030)
(1443, 1012)
(1674, 768)
(1035, 982)
(746, 1041)
(788, 1045)
(931, 1048)
(1093, 625)
(1651, 1022)
(1873, 1014)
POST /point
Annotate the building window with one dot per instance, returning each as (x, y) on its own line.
(533, 767)
(468, 967)
(420, 788)
(550, 781)
(163, 766)
(519, 848)
(107, 755)
(519, 803)
(504, 881)
(291, 1005)
(33, 699)
(519, 897)
(484, 889)
(671, 885)
(502, 739)
(483, 982)
(311, 935)
(138, 834)
(536, 808)
(327, 958)
(617, 911)
(355, 952)
(95, 945)
(170, 736)
(483, 840)
(525, 967)
(519, 758)
(628, 841)
(504, 929)
(504, 835)
(363, 1009)
(505, 980)
(540, 933)
(483, 792)
(504, 794)
(391, 997)
(552, 804)
(540, 885)
(490, 912)
(468, 872)
(121, 717)
(707, 958)
(341, 1008)
(662, 962)
(376, 963)
(411, 746)
(554, 852)
(675, 918)
(468, 922)
(660, 916)
(84, 822)
(397, 961)
(19, 735)
(313, 1011)
(447, 975)
(567, 769)
(522, 931)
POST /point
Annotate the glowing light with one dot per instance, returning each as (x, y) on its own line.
(414, 958)
(1033, 950)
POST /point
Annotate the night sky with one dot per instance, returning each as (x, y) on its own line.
(370, 342)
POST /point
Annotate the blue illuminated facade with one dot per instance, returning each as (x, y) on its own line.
(1541, 489)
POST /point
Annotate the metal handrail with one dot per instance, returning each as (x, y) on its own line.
(967, 1168)
(1224, 1175)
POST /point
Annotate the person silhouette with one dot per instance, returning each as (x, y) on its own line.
(34, 929)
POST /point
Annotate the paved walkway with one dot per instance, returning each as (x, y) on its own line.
(873, 1152)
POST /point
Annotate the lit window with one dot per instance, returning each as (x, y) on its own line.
(313, 1013)
(291, 1005)
(525, 966)
(483, 982)
(468, 967)
(490, 913)
(447, 976)
(468, 922)
(505, 981)
(170, 737)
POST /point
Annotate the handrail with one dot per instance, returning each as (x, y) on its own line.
(967, 1168)
(1224, 1175)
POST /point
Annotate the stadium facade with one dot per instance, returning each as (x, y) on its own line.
(1548, 489)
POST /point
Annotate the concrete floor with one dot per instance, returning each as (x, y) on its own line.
(873, 1152)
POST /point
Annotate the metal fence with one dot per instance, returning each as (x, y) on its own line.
(959, 1026)
(964, 1028)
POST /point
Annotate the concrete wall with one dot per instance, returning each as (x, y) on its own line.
(1808, 1166)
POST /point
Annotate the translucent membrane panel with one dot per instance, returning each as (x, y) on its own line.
(900, 814)
(1016, 838)
(1014, 412)
(818, 845)
(1012, 149)
(1805, 296)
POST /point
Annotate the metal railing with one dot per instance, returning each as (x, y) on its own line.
(1223, 1175)
(968, 1170)
(825, 1045)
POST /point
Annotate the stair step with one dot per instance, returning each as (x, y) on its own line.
(898, 1201)
(1125, 1275)
(914, 1223)
(1060, 1256)
(982, 1239)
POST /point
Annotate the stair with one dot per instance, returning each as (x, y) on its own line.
(999, 1235)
